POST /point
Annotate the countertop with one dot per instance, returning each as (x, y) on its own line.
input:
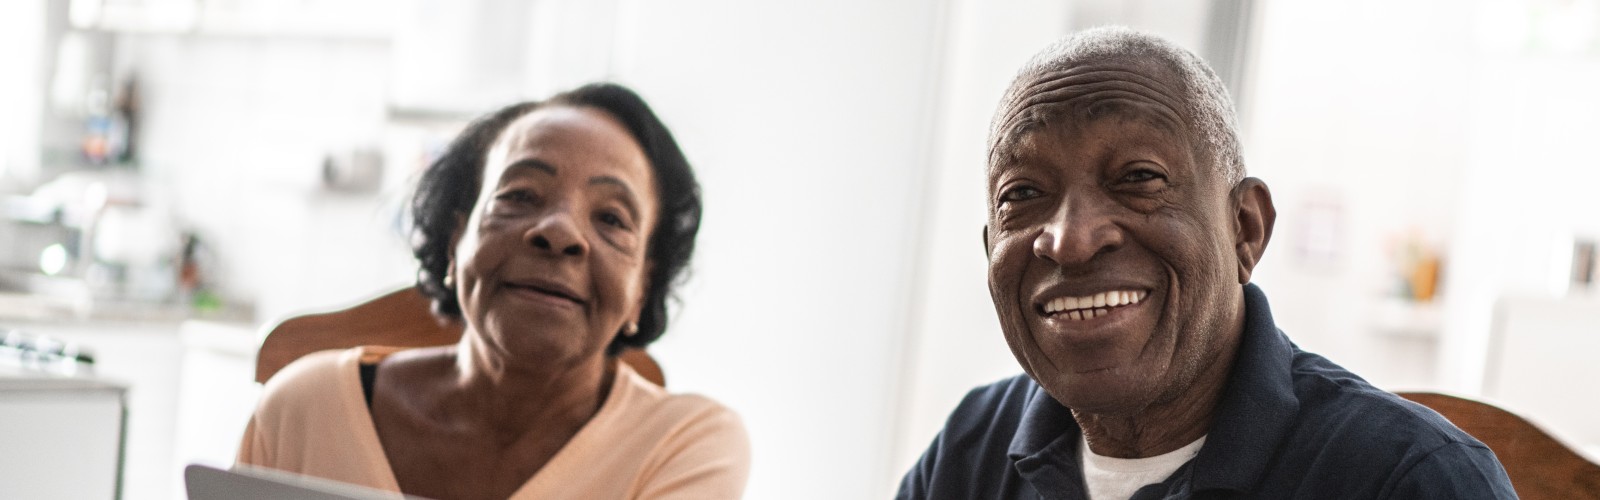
(26, 308)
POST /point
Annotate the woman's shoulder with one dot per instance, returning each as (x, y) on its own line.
(647, 398)
(691, 446)
(312, 419)
(311, 379)
(321, 365)
(644, 411)
(320, 362)
(318, 378)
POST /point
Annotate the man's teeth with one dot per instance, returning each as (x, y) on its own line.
(1093, 306)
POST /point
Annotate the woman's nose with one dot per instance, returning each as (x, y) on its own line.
(556, 232)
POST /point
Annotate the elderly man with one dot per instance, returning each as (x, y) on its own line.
(1122, 234)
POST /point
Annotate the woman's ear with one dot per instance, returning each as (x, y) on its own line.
(1253, 219)
(450, 252)
(455, 236)
(644, 291)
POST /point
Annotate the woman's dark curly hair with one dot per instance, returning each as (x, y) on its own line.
(449, 187)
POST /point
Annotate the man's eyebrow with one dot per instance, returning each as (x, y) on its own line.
(1004, 153)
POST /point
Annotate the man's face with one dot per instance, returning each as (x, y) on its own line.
(1112, 257)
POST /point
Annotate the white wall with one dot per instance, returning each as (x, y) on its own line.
(1373, 127)
(956, 343)
(1526, 193)
(809, 124)
(1459, 121)
(21, 40)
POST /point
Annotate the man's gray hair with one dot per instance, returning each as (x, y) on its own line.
(1204, 97)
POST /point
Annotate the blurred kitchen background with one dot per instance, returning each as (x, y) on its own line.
(177, 175)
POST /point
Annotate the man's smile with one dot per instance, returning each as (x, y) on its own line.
(1090, 306)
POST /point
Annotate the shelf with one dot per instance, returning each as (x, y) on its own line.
(1404, 318)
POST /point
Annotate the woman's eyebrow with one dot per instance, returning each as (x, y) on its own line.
(535, 164)
(629, 196)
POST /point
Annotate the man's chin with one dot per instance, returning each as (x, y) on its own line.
(1087, 393)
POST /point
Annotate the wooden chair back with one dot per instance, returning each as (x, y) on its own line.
(400, 319)
(1540, 466)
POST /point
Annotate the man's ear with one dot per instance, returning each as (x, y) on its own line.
(986, 248)
(1253, 219)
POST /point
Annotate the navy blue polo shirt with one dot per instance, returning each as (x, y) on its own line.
(1291, 424)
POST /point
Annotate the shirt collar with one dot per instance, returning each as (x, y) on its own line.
(1044, 449)
(1258, 405)
(1044, 421)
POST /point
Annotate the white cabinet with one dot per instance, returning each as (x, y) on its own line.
(145, 358)
(190, 389)
(1541, 364)
(62, 435)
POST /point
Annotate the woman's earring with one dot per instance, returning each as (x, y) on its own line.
(449, 281)
(630, 329)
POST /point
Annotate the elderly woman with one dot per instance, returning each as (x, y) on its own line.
(554, 230)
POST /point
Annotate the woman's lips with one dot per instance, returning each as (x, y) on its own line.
(555, 297)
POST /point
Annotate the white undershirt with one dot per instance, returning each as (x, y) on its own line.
(1109, 478)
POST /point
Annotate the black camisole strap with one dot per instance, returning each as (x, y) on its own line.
(369, 377)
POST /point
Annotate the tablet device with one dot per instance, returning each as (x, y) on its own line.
(247, 483)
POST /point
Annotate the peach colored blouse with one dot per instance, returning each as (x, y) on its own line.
(643, 443)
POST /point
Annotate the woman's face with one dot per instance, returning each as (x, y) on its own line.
(551, 261)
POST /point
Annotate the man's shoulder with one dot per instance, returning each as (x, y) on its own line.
(1352, 427)
(996, 407)
(969, 458)
(1348, 409)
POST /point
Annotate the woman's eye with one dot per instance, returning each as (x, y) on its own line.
(611, 219)
(1019, 193)
(518, 196)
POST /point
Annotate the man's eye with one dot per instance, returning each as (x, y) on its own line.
(1141, 176)
(1020, 193)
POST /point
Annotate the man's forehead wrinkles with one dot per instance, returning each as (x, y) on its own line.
(1078, 75)
(1063, 90)
(1067, 84)
(1087, 106)
(1085, 87)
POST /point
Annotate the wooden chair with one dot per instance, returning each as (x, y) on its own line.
(401, 319)
(1540, 467)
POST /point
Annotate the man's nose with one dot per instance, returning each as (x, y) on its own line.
(1077, 233)
(557, 232)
